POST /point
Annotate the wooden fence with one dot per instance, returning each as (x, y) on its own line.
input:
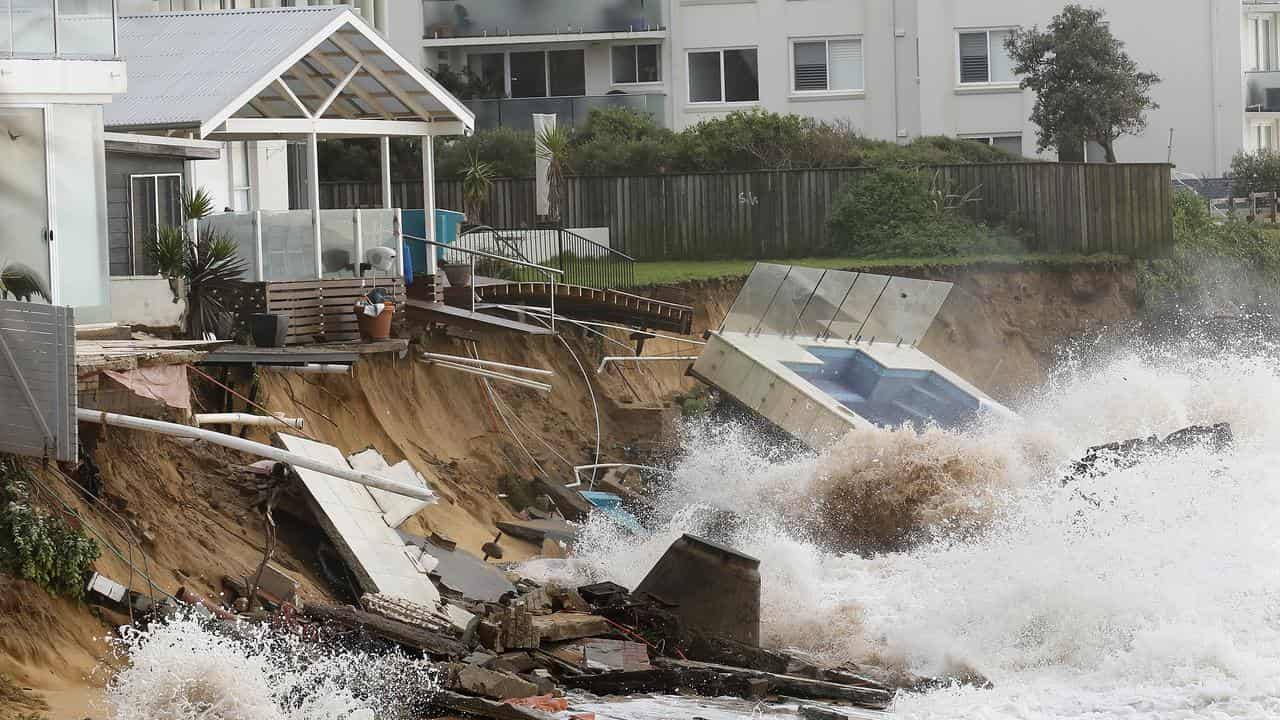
(1060, 207)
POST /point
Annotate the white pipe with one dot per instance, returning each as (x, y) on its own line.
(544, 387)
(577, 470)
(255, 448)
(490, 363)
(246, 419)
(315, 369)
(642, 358)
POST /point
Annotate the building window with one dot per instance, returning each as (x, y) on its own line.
(983, 58)
(1008, 143)
(241, 176)
(636, 64)
(155, 201)
(1261, 43)
(531, 74)
(724, 76)
(1264, 137)
(833, 65)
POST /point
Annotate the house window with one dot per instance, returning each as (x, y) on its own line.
(1261, 43)
(983, 58)
(538, 73)
(1009, 143)
(833, 65)
(724, 76)
(636, 64)
(490, 69)
(155, 201)
(241, 176)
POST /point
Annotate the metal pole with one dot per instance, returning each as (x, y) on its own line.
(487, 363)
(359, 230)
(553, 304)
(429, 198)
(255, 448)
(544, 387)
(313, 181)
(384, 151)
(258, 272)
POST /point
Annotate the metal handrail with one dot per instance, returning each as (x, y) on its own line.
(589, 241)
(482, 253)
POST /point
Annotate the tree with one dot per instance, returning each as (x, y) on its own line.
(1087, 87)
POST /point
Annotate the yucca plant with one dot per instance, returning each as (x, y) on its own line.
(212, 266)
(167, 250)
(554, 145)
(477, 181)
(21, 282)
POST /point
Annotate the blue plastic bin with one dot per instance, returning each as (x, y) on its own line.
(448, 224)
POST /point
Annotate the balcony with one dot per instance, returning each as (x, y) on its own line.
(571, 18)
(282, 246)
(48, 29)
(518, 113)
(1262, 91)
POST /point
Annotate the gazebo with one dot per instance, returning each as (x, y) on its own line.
(300, 74)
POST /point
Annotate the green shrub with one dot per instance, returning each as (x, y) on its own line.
(1255, 172)
(894, 212)
(35, 545)
(1213, 262)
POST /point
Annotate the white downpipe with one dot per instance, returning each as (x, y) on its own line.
(544, 387)
(274, 419)
(487, 363)
(577, 471)
(315, 369)
(254, 448)
(643, 358)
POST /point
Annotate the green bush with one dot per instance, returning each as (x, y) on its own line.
(35, 545)
(1215, 263)
(894, 212)
(1255, 172)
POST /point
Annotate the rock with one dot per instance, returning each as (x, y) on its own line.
(543, 680)
(569, 626)
(492, 684)
(567, 599)
(480, 658)
(514, 662)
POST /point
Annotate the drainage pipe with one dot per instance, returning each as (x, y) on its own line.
(315, 369)
(437, 357)
(255, 448)
(642, 358)
(246, 419)
(544, 387)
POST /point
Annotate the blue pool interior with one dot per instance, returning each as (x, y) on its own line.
(888, 397)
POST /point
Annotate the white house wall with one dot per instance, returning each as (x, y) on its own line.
(268, 173)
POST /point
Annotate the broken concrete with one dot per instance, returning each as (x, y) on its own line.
(395, 508)
(461, 571)
(493, 684)
(413, 636)
(605, 655)
(480, 707)
(557, 627)
(716, 589)
(535, 531)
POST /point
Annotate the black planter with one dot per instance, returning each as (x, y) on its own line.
(269, 330)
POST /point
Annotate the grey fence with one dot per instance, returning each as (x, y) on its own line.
(38, 380)
(1059, 207)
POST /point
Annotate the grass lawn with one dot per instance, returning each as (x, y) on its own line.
(659, 273)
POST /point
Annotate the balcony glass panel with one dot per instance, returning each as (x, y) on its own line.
(84, 28)
(518, 113)
(1262, 91)
(472, 18)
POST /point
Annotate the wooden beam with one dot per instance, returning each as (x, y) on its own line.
(284, 87)
(262, 108)
(378, 74)
(360, 92)
(337, 89)
(312, 83)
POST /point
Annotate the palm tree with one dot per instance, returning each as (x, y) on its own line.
(553, 146)
(477, 181)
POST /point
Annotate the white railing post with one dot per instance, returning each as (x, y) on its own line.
(313, 187)
(553, 303)
(258, 262)
(359, 236)
(398, 231)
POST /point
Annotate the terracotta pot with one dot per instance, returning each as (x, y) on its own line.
(375, 328)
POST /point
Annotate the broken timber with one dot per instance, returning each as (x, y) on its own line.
(431, 643)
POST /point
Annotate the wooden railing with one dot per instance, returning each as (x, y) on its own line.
(319, 311)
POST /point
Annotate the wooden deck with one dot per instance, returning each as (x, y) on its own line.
(592, 304)
(318, 310)
(479, 321)
(331, 353)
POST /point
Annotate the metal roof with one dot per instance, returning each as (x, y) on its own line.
(197, 69)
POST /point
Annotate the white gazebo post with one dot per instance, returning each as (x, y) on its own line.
(313, 189)
(429, 199)
(384, 147)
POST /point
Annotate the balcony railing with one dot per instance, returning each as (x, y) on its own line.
(484, 18)
(281, 245)
(45, 28)
(518, 112)
(1262, 91)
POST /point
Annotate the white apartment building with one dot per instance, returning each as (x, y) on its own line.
(892, 69)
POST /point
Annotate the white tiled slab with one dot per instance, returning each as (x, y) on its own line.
(356, 525)
(395, 508)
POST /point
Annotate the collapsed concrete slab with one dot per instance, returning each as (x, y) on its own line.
(375, 554)
(395, 508)
(821, 352)
(715, 589)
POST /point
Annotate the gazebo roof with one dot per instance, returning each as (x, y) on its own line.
(283, 72)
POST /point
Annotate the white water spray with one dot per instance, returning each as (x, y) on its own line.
(1145, 592)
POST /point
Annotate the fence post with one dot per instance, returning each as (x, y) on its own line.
(358, 227)
(258, 274)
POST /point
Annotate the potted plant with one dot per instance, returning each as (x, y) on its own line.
(374, 313)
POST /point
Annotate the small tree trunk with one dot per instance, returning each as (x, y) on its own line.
(1110, 146)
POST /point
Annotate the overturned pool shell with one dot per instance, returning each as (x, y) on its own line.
(822, 352)
(716, 589)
